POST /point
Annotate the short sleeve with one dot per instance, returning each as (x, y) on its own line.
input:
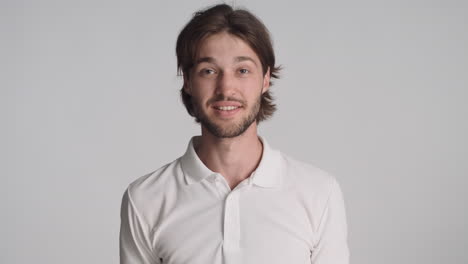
(332, 246)
(135, 246)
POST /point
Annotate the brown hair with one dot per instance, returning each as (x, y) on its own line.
(240, 23)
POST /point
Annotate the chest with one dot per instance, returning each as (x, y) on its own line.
(245, 225)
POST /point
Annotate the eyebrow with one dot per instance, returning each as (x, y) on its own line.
(204, 59)
(244, 58)
(236, 59)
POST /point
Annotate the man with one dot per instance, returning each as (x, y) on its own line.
(231, 198)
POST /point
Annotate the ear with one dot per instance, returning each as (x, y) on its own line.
(266, 81)
(187, 87)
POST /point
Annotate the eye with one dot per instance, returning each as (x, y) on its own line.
(244, 71)
(207, 71)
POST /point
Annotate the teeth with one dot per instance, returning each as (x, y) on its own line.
(227, 108)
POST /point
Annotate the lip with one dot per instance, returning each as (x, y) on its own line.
(227, 103)
(227, 114)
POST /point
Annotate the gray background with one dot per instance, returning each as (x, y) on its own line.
(372, 91)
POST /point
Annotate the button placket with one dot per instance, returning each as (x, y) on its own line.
(220, 186)
(232, 222)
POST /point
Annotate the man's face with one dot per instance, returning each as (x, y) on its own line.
(226, 84)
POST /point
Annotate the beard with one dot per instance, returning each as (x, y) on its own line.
(232, 130)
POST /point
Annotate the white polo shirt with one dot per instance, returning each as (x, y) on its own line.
(286, 212)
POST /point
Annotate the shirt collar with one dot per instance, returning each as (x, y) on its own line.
(268, 173)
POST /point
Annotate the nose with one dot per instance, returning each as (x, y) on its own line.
(226, 85)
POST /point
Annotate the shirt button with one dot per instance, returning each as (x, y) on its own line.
(212, 178)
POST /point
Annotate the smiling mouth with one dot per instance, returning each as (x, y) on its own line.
(226, 108)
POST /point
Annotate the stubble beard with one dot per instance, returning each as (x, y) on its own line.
(232, 130)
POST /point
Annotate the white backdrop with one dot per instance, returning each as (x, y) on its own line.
(373, 92)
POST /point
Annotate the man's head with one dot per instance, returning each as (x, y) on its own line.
(227, 59)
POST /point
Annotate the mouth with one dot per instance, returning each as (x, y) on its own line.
(226, 108)
(227, 111)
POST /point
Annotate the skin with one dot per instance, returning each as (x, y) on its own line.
(228, 71)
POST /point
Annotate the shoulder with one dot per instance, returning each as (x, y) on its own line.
(308, 178)
(150, 187)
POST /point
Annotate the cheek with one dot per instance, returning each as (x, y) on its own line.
(201, 94)
(253, 85)
(203, 85)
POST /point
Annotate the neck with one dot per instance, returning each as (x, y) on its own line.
(234, 158)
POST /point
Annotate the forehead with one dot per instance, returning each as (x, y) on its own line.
(225, 46)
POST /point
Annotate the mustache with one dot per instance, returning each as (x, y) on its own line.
(221, 98)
